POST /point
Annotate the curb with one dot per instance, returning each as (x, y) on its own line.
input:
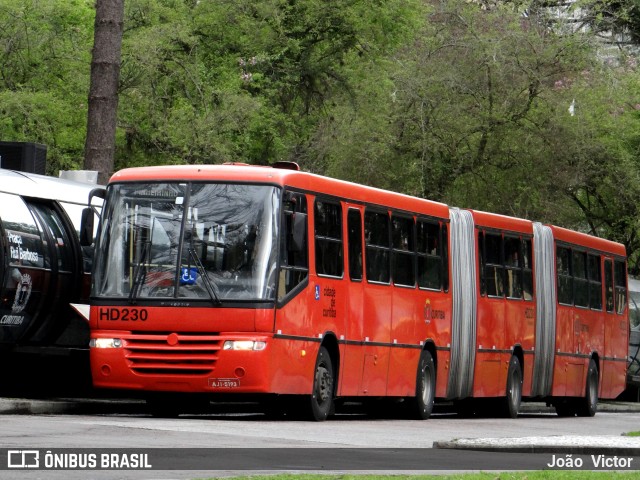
(27, 406)
(542, 448)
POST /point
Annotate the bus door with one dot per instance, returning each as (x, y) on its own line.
(377, 303)
(565, 375)
(616, 328)
(65, 262)
(351, 373)
(491, 326)
(406, 308)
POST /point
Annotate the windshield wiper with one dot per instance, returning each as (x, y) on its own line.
(140, 273)
(209, 286)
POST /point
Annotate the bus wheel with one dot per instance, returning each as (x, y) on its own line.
(421, 406)
(588, 405)
(514, 388)
(323, 382)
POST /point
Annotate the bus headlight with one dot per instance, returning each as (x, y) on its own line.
(105, 343)
(244, 345)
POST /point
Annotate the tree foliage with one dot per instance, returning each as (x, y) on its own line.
(44, 65)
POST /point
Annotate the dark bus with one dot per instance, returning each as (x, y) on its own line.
(43, 271)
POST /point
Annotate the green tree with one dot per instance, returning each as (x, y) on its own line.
(242, 80)
(598, 156)
(44, 53)
(462, 114)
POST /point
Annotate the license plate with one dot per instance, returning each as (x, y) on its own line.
(224, 382)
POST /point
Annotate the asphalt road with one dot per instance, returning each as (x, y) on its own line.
(253, 431)
(196, 441)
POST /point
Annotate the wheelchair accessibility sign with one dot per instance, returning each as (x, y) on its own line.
(188, 275)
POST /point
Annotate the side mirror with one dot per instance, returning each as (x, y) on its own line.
(299, 234)
(86, 227)
(88, 214)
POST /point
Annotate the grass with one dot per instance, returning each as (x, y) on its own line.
(632, 434)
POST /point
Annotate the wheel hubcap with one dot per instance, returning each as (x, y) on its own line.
(514, 390)
(426, 386)
(593, 389)
(324, 383)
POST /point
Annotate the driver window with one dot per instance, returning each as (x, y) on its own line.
(294, 267)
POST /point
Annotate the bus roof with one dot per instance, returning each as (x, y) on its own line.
(285, 177)
(41, 186)
(584, 240)
(502, 222)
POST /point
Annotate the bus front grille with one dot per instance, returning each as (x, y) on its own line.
(171, 353)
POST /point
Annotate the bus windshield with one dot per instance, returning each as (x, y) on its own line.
(209, 241)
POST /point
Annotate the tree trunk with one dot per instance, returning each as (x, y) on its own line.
(103, 91)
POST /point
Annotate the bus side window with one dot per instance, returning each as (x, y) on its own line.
(608, 284)
(513, 264)
(61, 241)
(620, 278)
(580, 282)
(494, 271)
(444, 261)
(328, 233)
(483, 261)
(403, 251)
(376, 232)
(294, 267)
(527, 269)
(565, 280)
(595, 282)
(354, 225)
(429, 255)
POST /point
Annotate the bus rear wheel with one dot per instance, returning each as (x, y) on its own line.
(421, 406)
(323, 387)
(514, 389)
(588, 405)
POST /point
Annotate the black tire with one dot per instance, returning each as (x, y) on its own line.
(421, 405)
(321, 399)
(588, 405)
(514, 389)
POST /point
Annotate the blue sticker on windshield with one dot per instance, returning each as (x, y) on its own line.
(188, 275)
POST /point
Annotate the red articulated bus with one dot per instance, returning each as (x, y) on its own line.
(245, 280)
